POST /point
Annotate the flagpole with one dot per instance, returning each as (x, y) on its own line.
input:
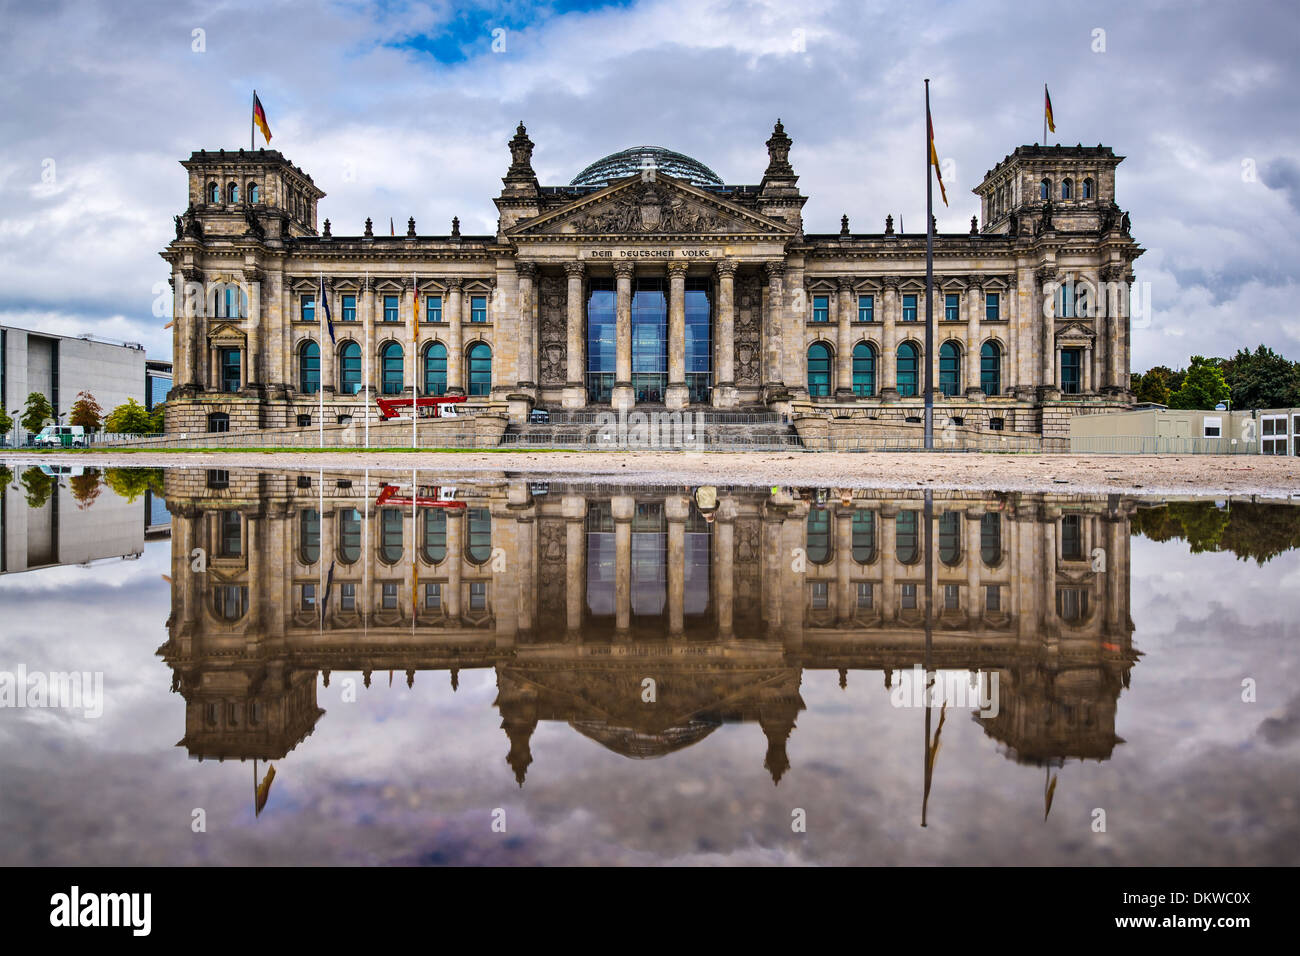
(321, 312)
(929, 281)
(415, 348)
(368, 359)
(1044, 114)
(252, 111)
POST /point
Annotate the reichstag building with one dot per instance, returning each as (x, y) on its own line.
(649, 282)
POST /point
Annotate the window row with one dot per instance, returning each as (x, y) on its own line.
(865, 366)
(1086, 189)
(214, 193)
(819, 537)
(821, 308)
(391, 310)
(391, 546)
(393, 369)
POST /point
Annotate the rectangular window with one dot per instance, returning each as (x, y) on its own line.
(909, 597)
(308, 312)
(433, 308)
(951, 597)
(821, 308)
(390, 308)
(433, 596)
(348, 597)
(866, 308)
(1072, 604)
(1273, 436)
(992, 597)
(1072, 537)
(820, 595)
(478, 308)
(218, 479)
(1065, 301)
(997, 424)
(1213, 427)
(952, 307)
(388, 597)
(992, 306)
(865, 595)
(1071, 371)
(304, 421)
(231, 377)
(478, 595)
(909, 308)
(308, 597)
(349, 308)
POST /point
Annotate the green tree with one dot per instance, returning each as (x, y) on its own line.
(6, 476)
(130, 418)
(6, 422)
(157, 418)
(131, 483)
(86, 412)
(1203, 386)
(1154, 385)
(36, 412)
(1263, 379)
(37, 487)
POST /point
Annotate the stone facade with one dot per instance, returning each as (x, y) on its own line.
(648, 281)
(574, 595)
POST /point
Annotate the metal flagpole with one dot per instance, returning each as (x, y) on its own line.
(929, 281)
(415, 333)
(252, 111)
(365, 567)
(415, 560)
(320, 358)
(367, 360)
(1044, 114)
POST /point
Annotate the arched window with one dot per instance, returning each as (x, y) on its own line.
(392, 361)
(435, 535)
(350, 368)
(435, 369)
(349, 535)
(819, 369)
(390, 535)
(991, 369)
(478, 523)
(1067, 189)
(818, 535)
(229, 301)
(232, 192)
(1086, 191)
(480, 369)
(908, 359)
(230, 602)
(864, 369)
(991, 538)
(254, 193)
(309, 535)
(309, 368)
(907, 546)
(213, 193)
(950, 537)
(949, 369)
(1045, 189)
(864, 536)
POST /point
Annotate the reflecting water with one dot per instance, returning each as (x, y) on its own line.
(366, 667)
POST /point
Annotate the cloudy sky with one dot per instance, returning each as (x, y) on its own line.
(403, 109)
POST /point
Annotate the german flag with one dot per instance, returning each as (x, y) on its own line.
(1047, 109)
(259, 117)
(934, 158)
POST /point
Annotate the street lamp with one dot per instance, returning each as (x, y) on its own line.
(14, 415)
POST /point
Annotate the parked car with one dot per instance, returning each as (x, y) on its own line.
(61, 436)
(539, 416)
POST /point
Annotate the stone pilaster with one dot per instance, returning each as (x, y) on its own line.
(455, 337)
(842, 309)
(772, 327)
(724, 372)
(623, 396)
(575, 391)
(676, 394)
(527, 325)
(890, 314)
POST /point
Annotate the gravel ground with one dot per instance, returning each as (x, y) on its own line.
(1138, 474)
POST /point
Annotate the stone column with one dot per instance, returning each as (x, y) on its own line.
(370, 338)
(844, 596)
(575, 390)
(1086, 385)
(1047, 322)
(182, 329)
(455, 348)
(772, 338)
(455, 564)
(974, 302)
(526, 571)
(724, 372)
(725, 584)
(886, 519)
(973, 563)
(842, 309)
(575, 562)
(675, 509)
(889, 316)
(327, 353)
(623, 396)
(252, 281)
(622, 507)
(527, 340)
(676, 394)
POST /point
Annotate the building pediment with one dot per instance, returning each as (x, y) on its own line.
(663, 206)
(225, 333)
(1075, 334)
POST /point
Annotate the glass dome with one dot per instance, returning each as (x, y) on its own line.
(630, 162)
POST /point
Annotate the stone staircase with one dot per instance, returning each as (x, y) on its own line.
(654, 427)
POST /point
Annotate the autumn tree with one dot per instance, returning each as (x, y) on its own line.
(86, 412)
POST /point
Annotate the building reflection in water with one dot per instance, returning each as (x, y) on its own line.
(576, 594)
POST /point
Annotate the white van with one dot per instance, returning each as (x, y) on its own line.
(61, 436)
